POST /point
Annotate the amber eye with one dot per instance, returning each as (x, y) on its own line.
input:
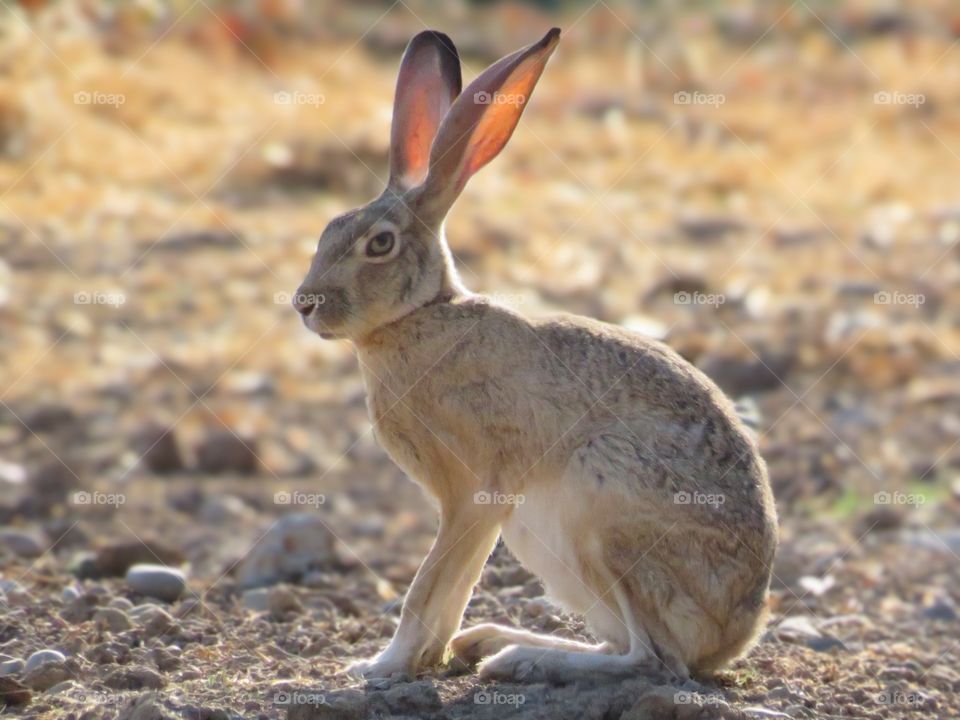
(380, 244)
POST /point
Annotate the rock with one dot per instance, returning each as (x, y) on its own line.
(64, 687)
(708, 229)
(156, 445)
(158, 581)
(187, 501)
(153, 619)
(940, 609)
(816, 586)
(41, 657)
(164, 659)
(12, 473)
(134, 678)
(800, 629)
(144, 707)
(13, 693)
(112, 652)
(538, 607)
(11, 667)
(80, 609)
(50, 485)
(48, 417)
(880, 519)
(22, 544)
(255, 599)
(825, 643)
(282, 600)
(121, 603)
(748, 376)
(197, 240)
(659, 703)
(336, 705)
(761, 712)
(112, 619)
(416, 698)
(223, 452)
(295, 545)
(224, 509)
(115, 559)
(45, 676)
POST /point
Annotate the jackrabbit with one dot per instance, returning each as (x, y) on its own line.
(613, 469)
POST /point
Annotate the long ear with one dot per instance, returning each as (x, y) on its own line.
(428, 83)
(482, 120)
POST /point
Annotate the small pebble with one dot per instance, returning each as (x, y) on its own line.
(154, 620)
(40, 657)
(11, 667)
(255, 599)
(282, 600)
(112, 619)
(157, 581)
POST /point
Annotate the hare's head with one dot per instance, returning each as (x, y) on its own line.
(381, 262)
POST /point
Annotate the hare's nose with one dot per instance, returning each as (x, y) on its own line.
(304, 301)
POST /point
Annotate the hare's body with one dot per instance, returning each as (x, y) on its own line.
(614, 469)
(618, 463)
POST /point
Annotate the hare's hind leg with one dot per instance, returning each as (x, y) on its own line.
(473, 644)
(557, 660)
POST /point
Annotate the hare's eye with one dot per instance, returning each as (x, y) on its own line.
(380, 244)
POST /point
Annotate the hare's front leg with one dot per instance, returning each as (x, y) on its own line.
(434, 605)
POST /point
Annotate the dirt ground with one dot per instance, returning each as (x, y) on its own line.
(769, 189)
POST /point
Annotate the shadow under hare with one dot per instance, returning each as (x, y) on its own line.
(612, 468)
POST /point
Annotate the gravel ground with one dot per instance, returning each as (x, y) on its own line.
(194, 519)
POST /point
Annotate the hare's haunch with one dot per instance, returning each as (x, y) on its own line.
(613, 469)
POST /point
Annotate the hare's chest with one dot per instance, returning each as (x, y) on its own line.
(393, 428)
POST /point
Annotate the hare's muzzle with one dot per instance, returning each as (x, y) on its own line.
(323, 310)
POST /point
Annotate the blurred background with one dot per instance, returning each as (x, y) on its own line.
(768, 187)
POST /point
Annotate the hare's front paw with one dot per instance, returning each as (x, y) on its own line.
(380, 666)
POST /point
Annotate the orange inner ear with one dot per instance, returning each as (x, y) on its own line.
(417, 137)
(501, 117)
(422, 98)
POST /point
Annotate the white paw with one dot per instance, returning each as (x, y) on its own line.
(377, 667)
(515, 663)
(472, 645)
